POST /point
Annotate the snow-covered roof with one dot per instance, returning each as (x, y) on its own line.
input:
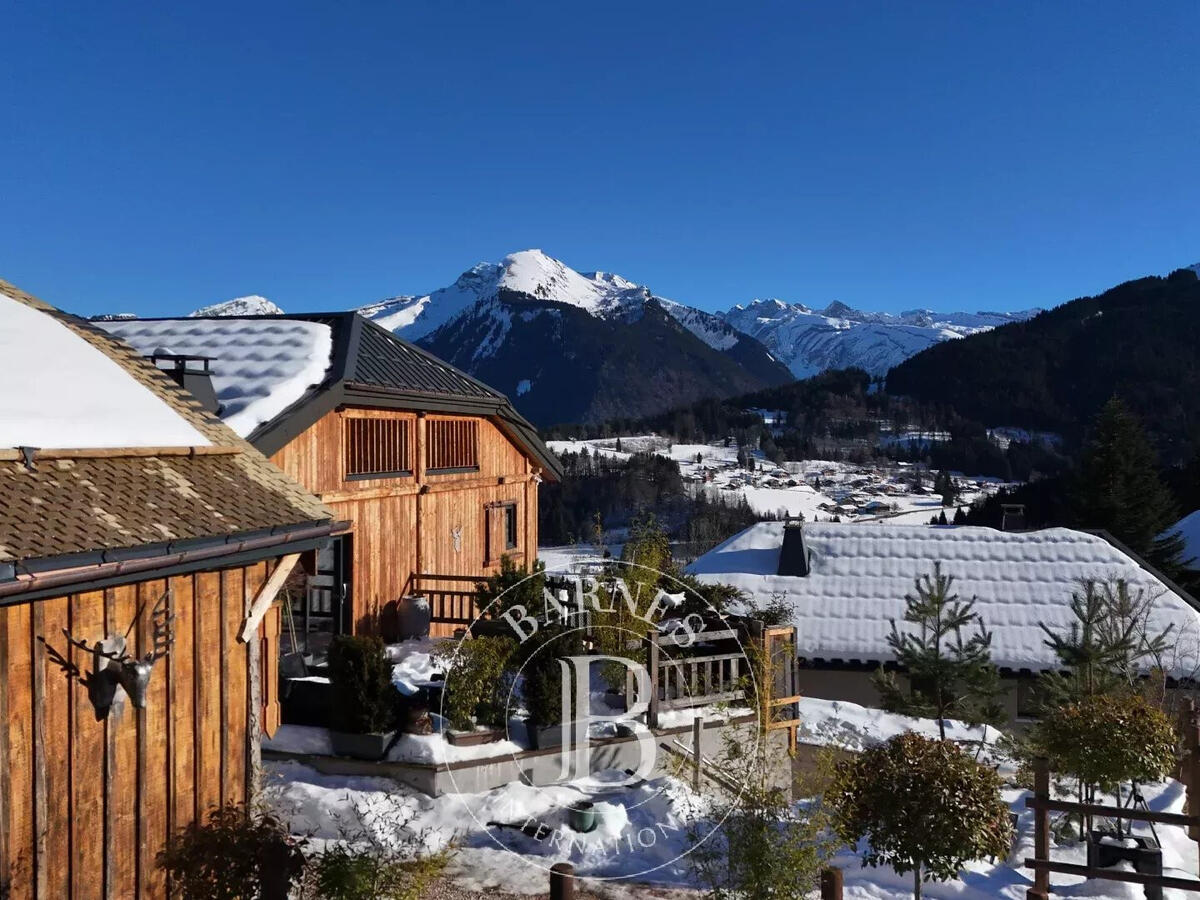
(1189, 529)
(64, 393)
(859, 576)
(260, 366)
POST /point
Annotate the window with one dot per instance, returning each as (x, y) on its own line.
(510, 527)
(1029, 698)
(503, 530)
(377, 448)
(452, 445)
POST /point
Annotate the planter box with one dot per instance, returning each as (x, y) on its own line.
(360, 746)
(474, 738)
(1146, 856)
(306, 701)
(544, 737)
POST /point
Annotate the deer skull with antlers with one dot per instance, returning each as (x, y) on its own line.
(116, 673)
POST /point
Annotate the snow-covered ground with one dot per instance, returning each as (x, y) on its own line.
(816, 489)
(645, 829)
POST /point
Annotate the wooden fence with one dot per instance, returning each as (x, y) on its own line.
(1043, 804)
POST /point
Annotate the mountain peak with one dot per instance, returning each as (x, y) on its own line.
(839, 310)
(251, 305)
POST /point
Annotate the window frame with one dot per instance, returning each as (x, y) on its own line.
(431, 443)
(406, 425)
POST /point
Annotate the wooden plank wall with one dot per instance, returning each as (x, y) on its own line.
(86, 805)
(404, 525)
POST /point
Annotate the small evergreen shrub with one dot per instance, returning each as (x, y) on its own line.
(236, 854)
(513, 585)
(475, 683)
(925, 806)
(542, 674)
(361, 674)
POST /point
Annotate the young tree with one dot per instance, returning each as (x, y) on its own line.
(1118, 488)
(924, 806)
(1108, 740)
(949, 675)
(750, 838)
(1107, 646)
(960, 517)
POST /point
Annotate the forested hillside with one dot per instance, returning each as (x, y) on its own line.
(1139, 341)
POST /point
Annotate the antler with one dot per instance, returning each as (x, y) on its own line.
(61, 661)
(94, 648)
(163, 631)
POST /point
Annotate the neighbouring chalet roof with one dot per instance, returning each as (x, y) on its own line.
(275, 376)
(859, 574)
(103, 458)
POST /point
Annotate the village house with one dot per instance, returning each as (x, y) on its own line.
(436, 472)
(142, 543)
(844, 584)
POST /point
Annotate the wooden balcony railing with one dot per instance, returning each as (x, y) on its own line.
(453, 599)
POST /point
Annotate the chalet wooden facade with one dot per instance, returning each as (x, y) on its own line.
(435, 472)
(166, 549)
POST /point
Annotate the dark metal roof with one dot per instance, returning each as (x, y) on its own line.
(371, 366)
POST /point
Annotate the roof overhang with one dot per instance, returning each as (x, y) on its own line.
(79, 572)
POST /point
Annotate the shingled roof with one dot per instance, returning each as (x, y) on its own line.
(87, 507)
(367, 365)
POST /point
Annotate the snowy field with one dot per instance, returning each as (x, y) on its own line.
(643, 835)
(816, 489)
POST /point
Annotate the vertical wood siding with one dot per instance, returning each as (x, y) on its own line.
(85, 806)
(404, 526)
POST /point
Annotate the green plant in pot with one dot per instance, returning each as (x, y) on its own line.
(542, 683)
(364, 698)
(476, 690)
(1108, 741)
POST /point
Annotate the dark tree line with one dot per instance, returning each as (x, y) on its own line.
(618, 491)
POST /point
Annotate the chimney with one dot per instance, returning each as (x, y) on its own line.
(793, 555)
(1012, 517)
(191, 373)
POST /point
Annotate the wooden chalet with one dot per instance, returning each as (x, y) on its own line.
(435, 471)
(139, 537)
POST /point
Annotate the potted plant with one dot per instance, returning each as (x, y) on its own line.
(475, 689)
(542, 689)
(1108, 741)
(364, 698)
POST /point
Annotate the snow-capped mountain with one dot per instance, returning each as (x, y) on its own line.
(252, 305)
(500, 320)
(533, 274)
(809, 341)
(578, 346)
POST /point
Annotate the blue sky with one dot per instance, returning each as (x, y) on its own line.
(954, 155)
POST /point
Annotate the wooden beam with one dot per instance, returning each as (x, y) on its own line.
(407, 488)
(266, 596)
(1116, 812)
(1167, 881)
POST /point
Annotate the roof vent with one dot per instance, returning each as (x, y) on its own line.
(191, 373)
(1012, 517)
(793, 555)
